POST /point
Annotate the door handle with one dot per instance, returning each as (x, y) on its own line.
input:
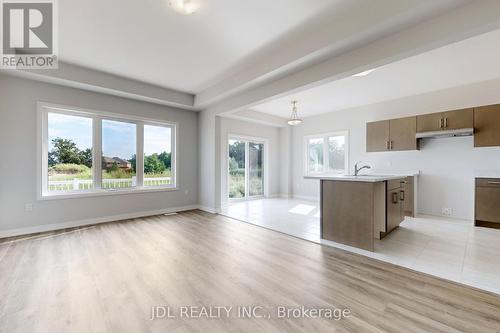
(402, 195)
(394, 197)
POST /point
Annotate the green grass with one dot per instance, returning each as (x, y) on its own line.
(66, 172)
(237, 184)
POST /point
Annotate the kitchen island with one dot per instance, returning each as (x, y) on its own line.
(356, 210)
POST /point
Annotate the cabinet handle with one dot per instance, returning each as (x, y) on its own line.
(390, 146)
(494, 183)
(445, 122)
(387, 145)
(441, 123)
(402, 195)
(394, 197)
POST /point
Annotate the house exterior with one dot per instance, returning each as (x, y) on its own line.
(108, 162)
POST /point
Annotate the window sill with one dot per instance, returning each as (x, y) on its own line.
(100, 193)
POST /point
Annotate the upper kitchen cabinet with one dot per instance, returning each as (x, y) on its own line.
(402, 134)
(487, 126)
(377, 136)
(430, 122)
(391, 135)
(449, 120)
(458, 119)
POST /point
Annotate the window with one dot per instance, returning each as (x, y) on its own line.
(157, 155)
(327, 153)
(69, 158)
(87, 153)
(118, 154)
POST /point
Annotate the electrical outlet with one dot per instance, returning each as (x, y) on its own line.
(446, 211)
(28, 207)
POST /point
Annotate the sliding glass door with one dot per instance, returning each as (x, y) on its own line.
(237, 169)
(255, 169)
(245, 169)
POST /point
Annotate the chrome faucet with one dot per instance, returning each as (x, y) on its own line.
(357, 170)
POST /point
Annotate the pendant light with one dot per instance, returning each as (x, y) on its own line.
(186, 7)
(294, 118)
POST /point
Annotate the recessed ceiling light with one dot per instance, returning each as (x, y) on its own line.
(365, 73)
(186, 7)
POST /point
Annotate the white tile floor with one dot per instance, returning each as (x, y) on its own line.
(447, 248)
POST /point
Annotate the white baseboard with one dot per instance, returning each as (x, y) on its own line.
(207, 209)
(97, 220)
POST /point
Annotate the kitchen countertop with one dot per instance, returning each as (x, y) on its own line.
(371, 178)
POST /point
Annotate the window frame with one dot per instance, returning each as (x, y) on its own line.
(43, 109)
(326, 158)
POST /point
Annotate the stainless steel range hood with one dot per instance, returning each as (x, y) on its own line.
(446, 133)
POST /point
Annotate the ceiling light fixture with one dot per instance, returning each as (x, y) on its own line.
(186, 7)
(294, 118)
(365, 73)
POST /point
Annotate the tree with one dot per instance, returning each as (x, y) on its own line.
(152, 164)
(233, 165)
(86, 157)
(65, 151)
(133, 161)
(166, 159)
(114, 167)
(237, 151)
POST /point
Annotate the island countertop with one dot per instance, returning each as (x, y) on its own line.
(371, 178)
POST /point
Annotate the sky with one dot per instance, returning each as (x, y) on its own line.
(118, 138)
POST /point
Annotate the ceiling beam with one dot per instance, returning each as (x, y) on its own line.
(331, 33)
(88, 79)
(258, 118)
(464, 22)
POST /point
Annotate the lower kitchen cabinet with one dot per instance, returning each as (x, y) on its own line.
(487, 202)
(395, 205)
(408, 197)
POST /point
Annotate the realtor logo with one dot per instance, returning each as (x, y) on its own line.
(28, 34)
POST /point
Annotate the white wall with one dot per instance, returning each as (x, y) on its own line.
(447, 166)
(271, 134)
(18, 141)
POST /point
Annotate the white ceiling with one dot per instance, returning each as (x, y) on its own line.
(147, 41)
(472, 60)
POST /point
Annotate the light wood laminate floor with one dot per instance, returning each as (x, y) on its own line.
(106, 278)
(448, 248)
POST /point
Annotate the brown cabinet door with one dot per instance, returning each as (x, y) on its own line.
(402, 133)
(394, 209)
(377, 136)
(430, 122)
(487, 126)
(487, 204)
(407, 197)
(458, 119)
